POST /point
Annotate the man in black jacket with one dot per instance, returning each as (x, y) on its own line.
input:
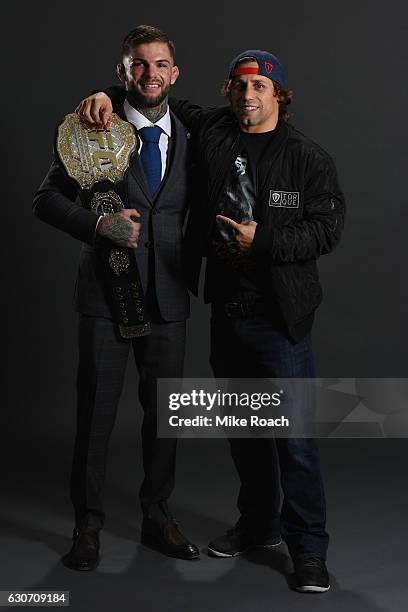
(155, 199)
(271, 205)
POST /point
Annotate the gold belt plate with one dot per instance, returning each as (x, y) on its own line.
(90, 156)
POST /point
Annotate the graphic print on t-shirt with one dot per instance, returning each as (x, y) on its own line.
(237, 202)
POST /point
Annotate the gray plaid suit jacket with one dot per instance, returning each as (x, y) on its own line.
(159, 252)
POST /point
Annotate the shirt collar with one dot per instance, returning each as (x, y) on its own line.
(140, 121)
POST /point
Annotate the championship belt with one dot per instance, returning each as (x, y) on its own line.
(95, 158)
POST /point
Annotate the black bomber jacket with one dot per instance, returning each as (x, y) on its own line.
(300, 206)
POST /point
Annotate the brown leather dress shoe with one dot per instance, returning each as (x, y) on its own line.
(84, 555)
(166, 537)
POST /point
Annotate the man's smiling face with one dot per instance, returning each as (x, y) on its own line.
(148, 72)
(253, 100)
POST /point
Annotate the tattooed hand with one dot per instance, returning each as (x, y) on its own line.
(121, 228)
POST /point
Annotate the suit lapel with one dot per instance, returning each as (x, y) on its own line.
(169, 159)
(135, 165)
(176, 148)
(137, 171)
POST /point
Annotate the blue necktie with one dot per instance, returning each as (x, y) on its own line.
(151, 156)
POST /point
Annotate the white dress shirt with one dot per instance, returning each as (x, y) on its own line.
(140, 121)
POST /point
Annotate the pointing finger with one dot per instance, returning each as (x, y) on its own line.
(228, 221)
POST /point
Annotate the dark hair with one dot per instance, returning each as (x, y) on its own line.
(146, 34)
(284, 95)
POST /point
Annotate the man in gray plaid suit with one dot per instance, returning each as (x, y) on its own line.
(152, 221)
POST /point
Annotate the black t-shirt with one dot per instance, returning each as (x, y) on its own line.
(231, 275)
(255, 144)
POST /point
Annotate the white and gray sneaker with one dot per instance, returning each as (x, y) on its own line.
(311, 574)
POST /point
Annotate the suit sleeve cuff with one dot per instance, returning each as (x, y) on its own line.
(95, 234)
(263, 238)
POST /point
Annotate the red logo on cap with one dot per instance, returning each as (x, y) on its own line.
(268, 67)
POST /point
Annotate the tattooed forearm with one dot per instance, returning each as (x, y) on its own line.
(116, 228)
(155, 113)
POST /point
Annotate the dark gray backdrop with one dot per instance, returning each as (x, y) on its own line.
(346, 62)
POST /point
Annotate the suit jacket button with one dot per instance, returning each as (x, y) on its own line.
(148, 244)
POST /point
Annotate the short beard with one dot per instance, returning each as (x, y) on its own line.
(139, 101)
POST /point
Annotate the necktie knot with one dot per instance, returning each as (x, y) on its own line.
(150, 134)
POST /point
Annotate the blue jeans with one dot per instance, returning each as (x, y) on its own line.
(255, 348)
